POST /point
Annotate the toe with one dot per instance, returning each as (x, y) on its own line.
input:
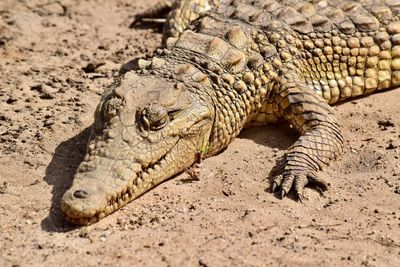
(287, 183)
(300, 182)
(276, 182)
(282, 193)
(297, 181)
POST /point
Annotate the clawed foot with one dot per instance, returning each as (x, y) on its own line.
(296, 181)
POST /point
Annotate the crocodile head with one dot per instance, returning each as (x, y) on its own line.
(146, 130)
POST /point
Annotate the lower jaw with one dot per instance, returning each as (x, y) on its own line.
(82, 220)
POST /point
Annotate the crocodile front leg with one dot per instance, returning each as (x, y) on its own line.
(320, 142)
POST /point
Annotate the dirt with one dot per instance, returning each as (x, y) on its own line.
(56, 57)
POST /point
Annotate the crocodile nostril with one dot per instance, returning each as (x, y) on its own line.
(81, 193)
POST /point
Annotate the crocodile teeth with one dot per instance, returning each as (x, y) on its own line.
(145, 176)
(139, 181)
(108, 209)
(157, 168)
(151, 172)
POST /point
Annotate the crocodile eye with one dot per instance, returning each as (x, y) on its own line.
(112, 107)
(154, 117)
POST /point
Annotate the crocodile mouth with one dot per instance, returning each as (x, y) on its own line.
(94, 195)
(78, 208)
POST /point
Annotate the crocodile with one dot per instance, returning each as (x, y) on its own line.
(224, 65)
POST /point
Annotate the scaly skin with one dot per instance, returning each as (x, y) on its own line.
(227, 65)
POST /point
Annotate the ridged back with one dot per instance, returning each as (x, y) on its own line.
(317, 16)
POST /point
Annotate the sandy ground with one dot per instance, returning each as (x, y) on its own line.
(55, 59)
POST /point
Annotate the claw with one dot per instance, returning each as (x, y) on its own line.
(300, 198)
(274, 186)
(296, 182)
(282, 193)
(287, 183)
(276, 182)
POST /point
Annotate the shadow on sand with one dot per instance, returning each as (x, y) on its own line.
(59, 174)
(279, 136)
